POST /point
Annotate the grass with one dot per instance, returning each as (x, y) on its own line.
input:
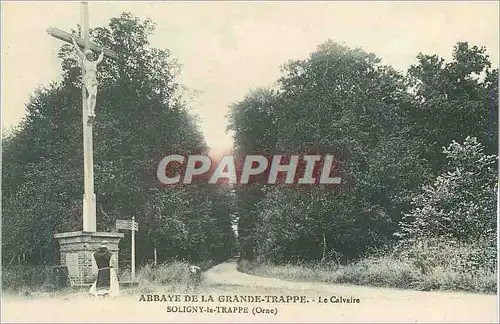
(382, 272)
(426, 264)
(432, 270)
(21, 279)
(29, 280)
(149, 278)
(165, 277)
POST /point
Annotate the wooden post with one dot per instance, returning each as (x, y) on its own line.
(132, 226)
(85, 25)
(324, 247)
(133, 249)
(89, 203)
(156, 257)
(89, 199)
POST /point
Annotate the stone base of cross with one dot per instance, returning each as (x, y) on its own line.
(76, 251)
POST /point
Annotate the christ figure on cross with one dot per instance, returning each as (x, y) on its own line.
(89, 77)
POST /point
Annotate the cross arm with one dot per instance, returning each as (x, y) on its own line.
(66, 37)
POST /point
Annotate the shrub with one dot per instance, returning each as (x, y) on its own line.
(461, 203)
(149, 277)
(26, 278)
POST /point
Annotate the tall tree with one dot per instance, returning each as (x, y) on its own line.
(141, 117)
(341, 101)
(454, 100)
(386, 130)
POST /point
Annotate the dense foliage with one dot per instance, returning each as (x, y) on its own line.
(141, 117)
(387, 130)
(416, 151)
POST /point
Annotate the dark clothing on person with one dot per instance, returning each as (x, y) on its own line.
(102, 258)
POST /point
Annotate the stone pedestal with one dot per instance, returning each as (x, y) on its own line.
(77, 248)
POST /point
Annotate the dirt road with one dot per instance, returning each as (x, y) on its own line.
(281, 301)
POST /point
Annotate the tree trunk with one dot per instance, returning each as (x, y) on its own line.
(156, 257)
(324, 247)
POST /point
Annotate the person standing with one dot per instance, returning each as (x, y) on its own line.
(194, 279)
(104, 266)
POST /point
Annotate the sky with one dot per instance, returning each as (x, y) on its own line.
(228, 48)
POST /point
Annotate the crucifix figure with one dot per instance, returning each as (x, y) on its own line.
(89, 69)
(89, 78)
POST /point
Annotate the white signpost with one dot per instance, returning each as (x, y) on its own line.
(132, 226)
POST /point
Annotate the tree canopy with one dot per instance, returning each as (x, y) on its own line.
(386, 129)
(141, 117)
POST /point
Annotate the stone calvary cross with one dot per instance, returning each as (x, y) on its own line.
(89, 70)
